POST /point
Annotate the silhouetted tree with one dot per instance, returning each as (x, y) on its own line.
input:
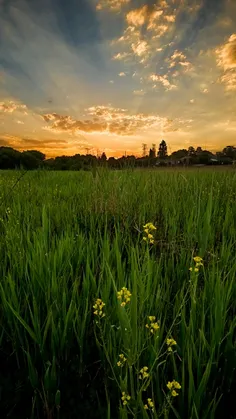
(103, 157)
(230, 151)
(144, 148)
(152, 152)
(33, 159)
(162, 153)
(179, 154)
(37, 154)
(191, 151)
(9, 158)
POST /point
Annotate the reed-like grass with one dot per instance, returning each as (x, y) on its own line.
(69, 238)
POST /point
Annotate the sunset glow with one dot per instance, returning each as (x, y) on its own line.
(109, 75)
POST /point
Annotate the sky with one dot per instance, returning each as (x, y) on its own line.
(93, 76)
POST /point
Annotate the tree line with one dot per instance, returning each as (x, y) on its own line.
(33, 159)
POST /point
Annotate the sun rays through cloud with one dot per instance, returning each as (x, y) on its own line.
(113, 74)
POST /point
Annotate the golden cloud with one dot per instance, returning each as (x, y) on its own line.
(110, 120)
(229, 78)
(121, 56)
(51, 147)
(134, 42)
(147, 16)
(178, 58)
(163, 80)
(62, 123)
(140, 48)
(226, 54)
(113, 5)
(226, 60)
(11, 106)
(170, 18)
(137, 17)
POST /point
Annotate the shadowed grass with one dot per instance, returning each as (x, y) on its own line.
(67, 239)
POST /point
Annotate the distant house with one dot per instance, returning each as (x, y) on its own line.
(185, 160)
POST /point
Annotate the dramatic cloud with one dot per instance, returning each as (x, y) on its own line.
(163, 80)
(113, 5)
(156, 61)
(178, 60)
(141, 37)
(11, 106)
(111, 120)
(226, 59)
(226, 54)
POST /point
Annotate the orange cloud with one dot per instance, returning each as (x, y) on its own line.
(109, 120)
(163, 80)
(146, 15)
(226, 60)
(178, 58)
(52, 147)
(134, 42)
(226, 54)
(11, 106)
(140, 48)
(113, 5)
(137, 17)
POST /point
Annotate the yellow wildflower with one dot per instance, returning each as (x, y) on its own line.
(152, 318)
(153, 326)
(124, 295)
(149, 405)
(148, 228)
(143, 373)
(198, 263)
(177, 385)
(197, 259)
(125, 398)
(173, 386)
(170, 342)
(98, 308)
(122, 360)
(169, 385)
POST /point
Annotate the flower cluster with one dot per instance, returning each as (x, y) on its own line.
(143, 373)
(122, 360)
(148, 229)
(98, 308)
(173, 386)
(198, 262)
(170, 342)
(124, 296)
(149, 405)
(125, 398)
(153, 326)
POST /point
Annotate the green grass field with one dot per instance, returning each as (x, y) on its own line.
(69, 238)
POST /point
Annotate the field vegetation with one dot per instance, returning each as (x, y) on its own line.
(117, 294)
